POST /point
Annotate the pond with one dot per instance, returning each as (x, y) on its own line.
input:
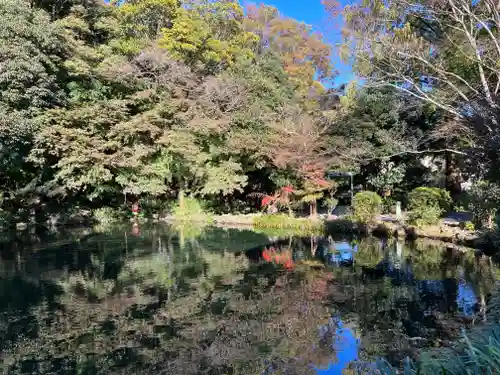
(159, 300)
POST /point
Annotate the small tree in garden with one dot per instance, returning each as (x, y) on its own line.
(331, 202)
(281, 199)
(484, 202)
(314, 187)
(367, 206)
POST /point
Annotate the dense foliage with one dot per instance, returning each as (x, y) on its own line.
(426, 197)
(108, 103)
(367, 206)
(426, 205)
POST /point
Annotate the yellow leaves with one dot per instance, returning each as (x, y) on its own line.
(146, 18)
(191, 38)
(186, 37)
(349, 99)
(137, 7)
(404, 34)
(128, 46)
(304, 54)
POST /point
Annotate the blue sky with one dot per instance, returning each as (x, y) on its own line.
(312, 12)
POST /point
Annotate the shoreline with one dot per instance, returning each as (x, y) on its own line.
(453, 236)
(442, 233)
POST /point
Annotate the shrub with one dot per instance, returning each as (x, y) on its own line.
(427, 205)
(367, 206)
(330, 203)
(469, 225)
(425, 215)
(428, 197)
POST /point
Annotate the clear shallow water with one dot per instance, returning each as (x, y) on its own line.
(164, 301)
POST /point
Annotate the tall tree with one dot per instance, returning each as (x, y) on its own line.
(32, 52)
(305, 55)
(444, 53)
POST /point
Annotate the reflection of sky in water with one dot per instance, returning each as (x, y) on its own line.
(341, 252)
(466, 299)
(346, 347)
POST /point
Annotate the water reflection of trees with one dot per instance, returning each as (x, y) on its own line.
(162, 301)
(406, 295)
(156, 304)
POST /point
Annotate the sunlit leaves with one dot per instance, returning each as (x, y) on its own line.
(304, 53)
(31, 53)
(210, 34)
(144, 19)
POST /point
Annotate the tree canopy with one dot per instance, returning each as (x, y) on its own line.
(102, 102)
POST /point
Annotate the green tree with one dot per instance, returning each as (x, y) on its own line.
(432, 53)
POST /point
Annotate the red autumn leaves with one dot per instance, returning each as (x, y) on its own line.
(280, 257)
(281, 195)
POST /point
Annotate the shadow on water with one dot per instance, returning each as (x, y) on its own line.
(159, 300)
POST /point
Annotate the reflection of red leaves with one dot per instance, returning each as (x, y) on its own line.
(266, 200)
(283, 258)
(288, 189)
(266, 256)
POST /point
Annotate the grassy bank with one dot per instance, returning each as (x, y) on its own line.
(193, 214)
(287, 222)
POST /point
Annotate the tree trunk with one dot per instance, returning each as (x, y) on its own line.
(490, 221)
(452, 175)
(313, 209)
(181, 199)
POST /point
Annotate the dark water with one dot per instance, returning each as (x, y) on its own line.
(164, 301)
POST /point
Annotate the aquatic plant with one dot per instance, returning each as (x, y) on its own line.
(477, 353)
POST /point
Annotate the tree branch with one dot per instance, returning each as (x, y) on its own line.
(418, 152)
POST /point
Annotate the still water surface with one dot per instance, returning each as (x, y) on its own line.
(165, 301)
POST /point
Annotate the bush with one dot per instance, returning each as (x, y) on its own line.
(469, 225)
(425, 215)
(427, 205)
(367, 206)
(423, 197)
